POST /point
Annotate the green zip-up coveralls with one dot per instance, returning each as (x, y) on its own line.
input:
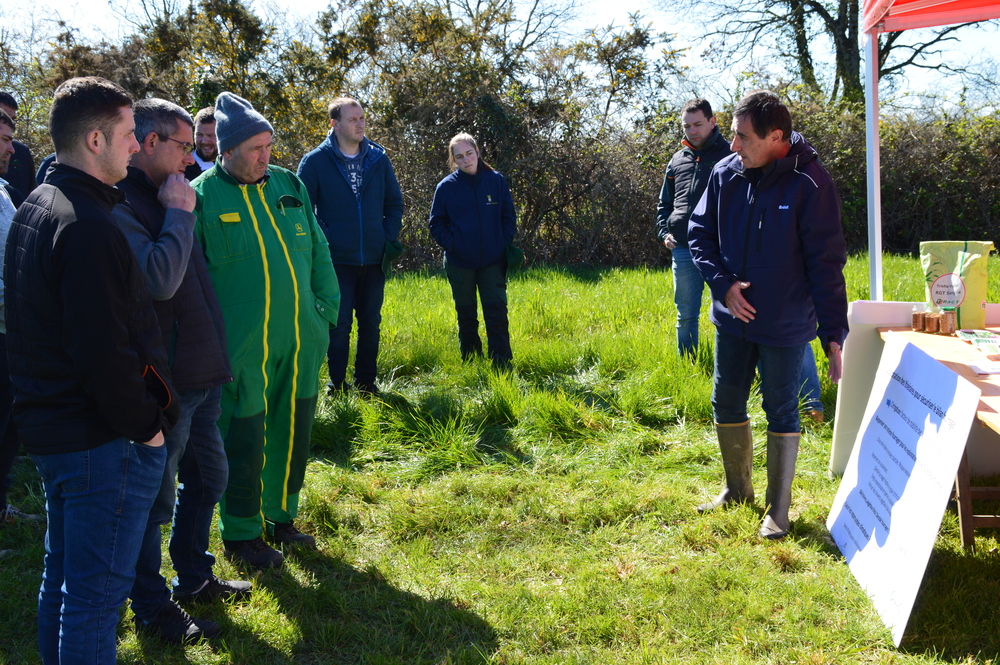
(270, 264)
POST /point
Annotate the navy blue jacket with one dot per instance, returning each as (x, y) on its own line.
(779, 229)
(357, 227)
(684, 183)
(21, 170)
(472, 218)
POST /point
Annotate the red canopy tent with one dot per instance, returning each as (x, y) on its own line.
(894, 16)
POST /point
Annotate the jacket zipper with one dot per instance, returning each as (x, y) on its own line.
(479, 217)
(357, 197)
(760, 228)
(746, 248)
(694, 180)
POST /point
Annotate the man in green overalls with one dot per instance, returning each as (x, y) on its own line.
(270, 264)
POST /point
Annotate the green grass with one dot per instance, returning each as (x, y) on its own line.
(546, 515)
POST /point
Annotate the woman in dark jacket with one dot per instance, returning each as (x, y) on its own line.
(472, 218)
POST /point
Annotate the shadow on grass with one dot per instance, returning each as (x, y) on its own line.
(955, 615)
(347, 615)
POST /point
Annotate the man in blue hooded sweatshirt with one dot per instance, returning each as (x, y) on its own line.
(359, 206)
(767, 238)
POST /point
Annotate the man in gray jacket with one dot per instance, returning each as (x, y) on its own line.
(158, 220)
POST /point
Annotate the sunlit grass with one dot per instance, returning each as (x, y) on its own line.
(545, 515)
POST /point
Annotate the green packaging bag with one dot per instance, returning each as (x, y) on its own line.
(955, 274)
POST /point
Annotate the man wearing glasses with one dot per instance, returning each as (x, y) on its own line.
(158, 220)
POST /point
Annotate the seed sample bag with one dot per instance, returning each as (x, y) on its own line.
(955, 274)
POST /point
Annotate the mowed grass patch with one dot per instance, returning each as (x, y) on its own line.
(545, 514)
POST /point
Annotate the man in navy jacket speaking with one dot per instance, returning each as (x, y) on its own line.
(767, 238)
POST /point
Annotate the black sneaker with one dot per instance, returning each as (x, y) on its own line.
(215, 588)
(254, 553)
(174, 625)
(368, 390)
(337, 389)
(287, 534)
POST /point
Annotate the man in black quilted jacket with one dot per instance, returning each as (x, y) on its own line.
(683, 184)
(92, 399)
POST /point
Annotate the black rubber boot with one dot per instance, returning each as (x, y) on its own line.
(736, 444)
(782, 451)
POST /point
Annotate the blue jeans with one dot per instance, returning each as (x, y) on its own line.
(809, 388)
(735, 366)
(97, 502)
(688, 287)
(362, 289)
(197, 457)
(491, 283)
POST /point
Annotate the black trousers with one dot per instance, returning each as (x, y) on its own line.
(491, 283)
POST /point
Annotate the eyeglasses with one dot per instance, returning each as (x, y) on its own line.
(188, 147)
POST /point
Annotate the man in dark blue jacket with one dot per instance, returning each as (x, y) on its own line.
(683, 184)
(768, 240)
(357, 200)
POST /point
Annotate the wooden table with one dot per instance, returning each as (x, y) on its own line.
(956, 355)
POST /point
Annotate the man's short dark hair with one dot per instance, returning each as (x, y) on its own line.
(339, 103)
(766, 114)
(695, 105)
(7, 99)
(158, 116)
(207, 114)
(84, 104)
(7, 120)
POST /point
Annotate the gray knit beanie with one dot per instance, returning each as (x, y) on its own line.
(236, 121)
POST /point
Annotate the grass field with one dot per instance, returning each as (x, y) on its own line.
(546, 515)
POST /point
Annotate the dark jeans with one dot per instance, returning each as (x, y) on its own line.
(735, 367)
(362, 289)
(98, 503)
(491, 282)
(9, 443)
(197, 457)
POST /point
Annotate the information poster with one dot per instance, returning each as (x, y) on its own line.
(896, 487)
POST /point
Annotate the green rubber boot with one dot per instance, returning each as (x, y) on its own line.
(736, 445)
(782, 451)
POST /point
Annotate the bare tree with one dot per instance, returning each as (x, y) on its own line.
(797, 29)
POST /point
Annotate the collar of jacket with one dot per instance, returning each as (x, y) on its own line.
(465, 177)
(799, 154)
(227, 178)
(61, 175)
(715, 136)
(139, 178)
(370, 150)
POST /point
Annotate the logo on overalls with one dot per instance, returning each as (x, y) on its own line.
(299, 231)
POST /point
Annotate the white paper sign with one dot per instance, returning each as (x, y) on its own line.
(895, 489)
